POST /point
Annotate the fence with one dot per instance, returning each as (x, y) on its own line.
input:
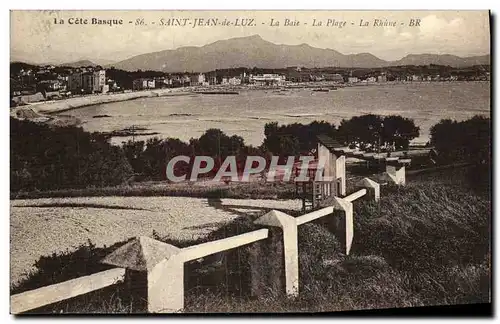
(162, 265)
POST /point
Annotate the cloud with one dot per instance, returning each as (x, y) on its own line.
(406, 35)
(432, 27)
(453, 35)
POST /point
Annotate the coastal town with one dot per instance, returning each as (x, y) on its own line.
(36, 83)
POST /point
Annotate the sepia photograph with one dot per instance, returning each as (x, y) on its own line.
(252, 161)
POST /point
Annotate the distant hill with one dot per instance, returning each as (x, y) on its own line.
(20, 56)
(445, 59)
(254, 51)
(94, 62)
(79, 63)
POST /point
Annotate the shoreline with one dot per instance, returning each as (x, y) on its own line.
(47, 108)
(51, 112)
(48, 111)
(54, 107)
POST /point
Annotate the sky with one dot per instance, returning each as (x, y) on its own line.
(36, 38)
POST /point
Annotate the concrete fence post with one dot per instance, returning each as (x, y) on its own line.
(344, 210)
(158, 268)
(372, 188)
(283, 245)
(166, 286)
(396, 170)
(144, 258)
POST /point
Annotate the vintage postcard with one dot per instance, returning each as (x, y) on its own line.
(249, 161)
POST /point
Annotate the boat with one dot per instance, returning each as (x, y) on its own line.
(321, 90)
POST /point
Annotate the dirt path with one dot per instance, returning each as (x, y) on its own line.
(44, 226)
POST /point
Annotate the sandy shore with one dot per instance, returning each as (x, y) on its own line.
(40, 227)
(52, 107)
(46, 111)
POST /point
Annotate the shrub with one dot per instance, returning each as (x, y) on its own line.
(64, 157)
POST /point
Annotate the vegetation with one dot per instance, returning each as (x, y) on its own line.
(466, 141)
(68, 158)
(64, 157)
(296, 138)
(252, 190)
(374, 131)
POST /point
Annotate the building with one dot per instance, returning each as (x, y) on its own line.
(352, 79)
(234, 81)
(382, 78)
(88, 82)
(197, 79)
(168, 82)
(99, 82)
(50, 85)
(75, 82)
(162, 82)
(212, 80)
(334, 77)
(316, 78)
(267, 79)
(143, 84)
(175, 81)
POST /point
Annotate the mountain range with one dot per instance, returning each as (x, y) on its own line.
(76, 61)
(254, 51)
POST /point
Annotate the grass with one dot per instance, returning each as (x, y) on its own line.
(424, 244)
(247, 190)
(147, 189)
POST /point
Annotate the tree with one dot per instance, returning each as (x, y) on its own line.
(64, 157)
(362, 131)
(468, 140)
(271, 140)
(295, 138)
(215, 142)
(134, 151)
(399, 131)
(374, 131)
(155, 158)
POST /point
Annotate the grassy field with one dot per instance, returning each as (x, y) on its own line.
(424, 244)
